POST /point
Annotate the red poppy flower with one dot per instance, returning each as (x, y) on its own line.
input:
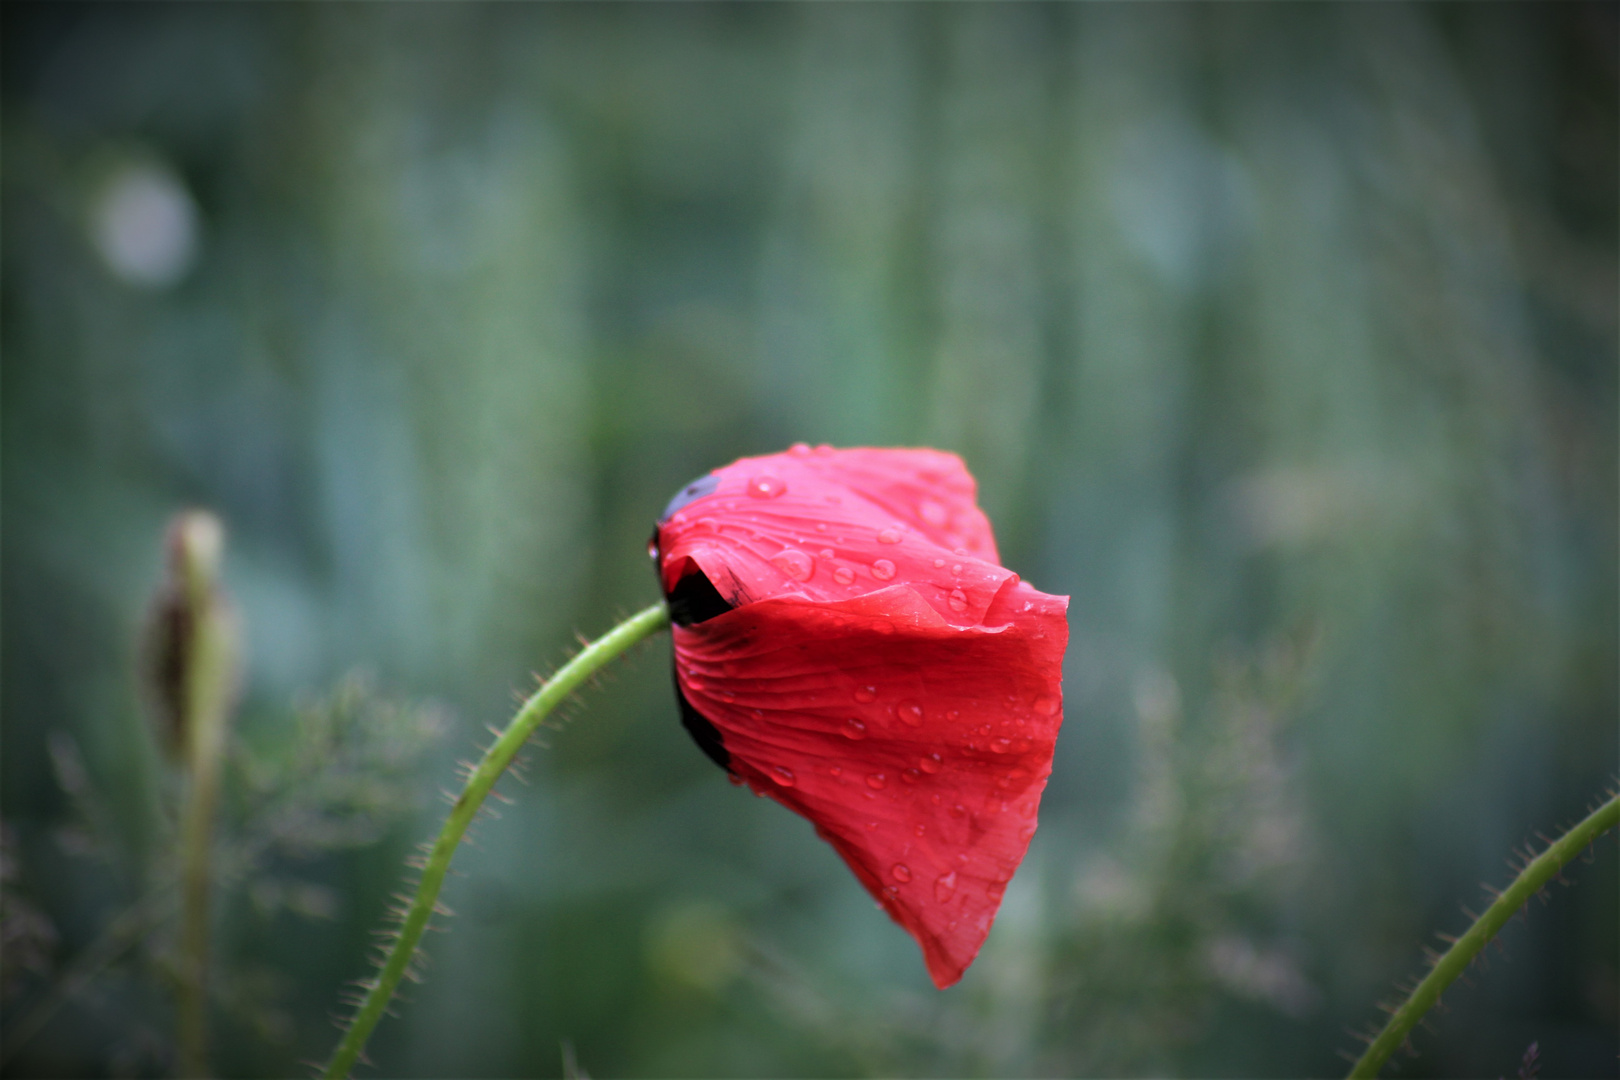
(847, 643)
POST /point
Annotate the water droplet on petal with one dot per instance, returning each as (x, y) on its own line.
(795, 564)
(883, 570)
(938, 563)
(836, 770)
(901, 872)
(871, 826)
(844, 575)
(854, 729)
(889, 536)
(824, 450)
(799, 449)
(864, 694)
(736, 781)
(765, 486)
(920, 830)
(910, 713)
(945, 887)
(958, 811)
(1046, 706)
(996, 889)
(1001, 746)
(931, 763)
(911, 776)
(876, 781)
(783, 776)
(958, 600)
(956, 568)
(652, 550)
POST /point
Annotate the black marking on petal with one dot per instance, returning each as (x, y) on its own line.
(695, 490)
(695, 599)
(705, 734)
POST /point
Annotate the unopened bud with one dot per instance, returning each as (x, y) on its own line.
(191, 646)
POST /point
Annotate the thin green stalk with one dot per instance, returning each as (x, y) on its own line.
(569, 677)
(207, 670)
(1456, 959)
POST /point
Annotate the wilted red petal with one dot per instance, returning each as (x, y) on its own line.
(910, 715)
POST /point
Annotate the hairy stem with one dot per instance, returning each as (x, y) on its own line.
(1456, 959)
(489, 769)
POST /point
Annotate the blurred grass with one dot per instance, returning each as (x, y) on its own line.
(1259, 326)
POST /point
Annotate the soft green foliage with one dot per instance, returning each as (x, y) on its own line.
(1282, 337)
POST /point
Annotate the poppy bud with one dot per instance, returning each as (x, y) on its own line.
(190, 647)
(847, 642)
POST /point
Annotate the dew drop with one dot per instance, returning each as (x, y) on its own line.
(934, 799)
(854, 729)
(844, 575)
(984, 729)
(736, 781)
(938, 563)
(996, 889)
(871, 826)
(1028, 605)
(652, 550)
(901, 872)
(783, 776)
(765, 486)
(931, 763)
(795, 564)
(824, 450)
(876, 781)
(883, 570)
(920, 830)
(836, 770)
(958, 811)
(799, 449)
(889, 536)
(864, 694)
(959, 551)
(931, 512)
(1046, 706)
(909, 713)
(911, 776)
(956, 568)
(958, 600)
(1001, 746)
(945, 887)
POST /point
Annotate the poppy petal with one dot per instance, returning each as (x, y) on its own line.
(836, 525)
(902, 695)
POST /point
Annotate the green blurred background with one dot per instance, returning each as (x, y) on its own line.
(1281, 337)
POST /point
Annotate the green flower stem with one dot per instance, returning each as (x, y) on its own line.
(208, 674)
(569, 677)
(1531, 880)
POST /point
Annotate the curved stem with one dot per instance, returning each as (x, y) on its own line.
(489, 769)
(1531, 879)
